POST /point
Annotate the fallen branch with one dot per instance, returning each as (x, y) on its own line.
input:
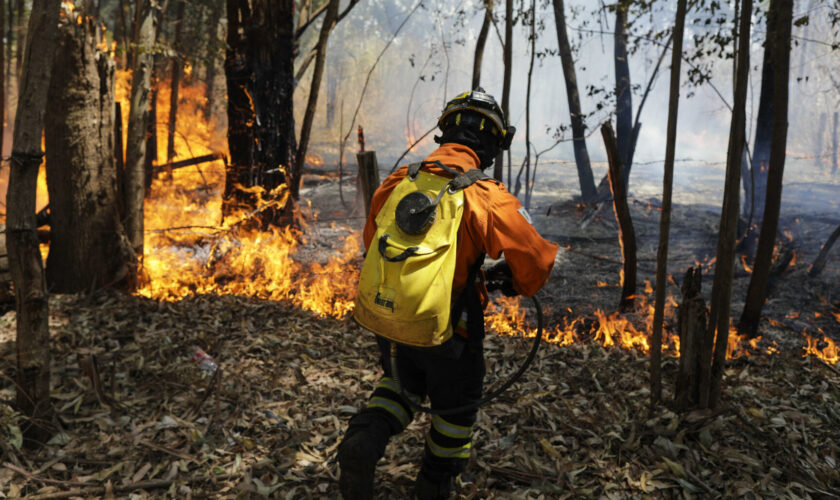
(32, 477)
(188, 162)
(819, 262)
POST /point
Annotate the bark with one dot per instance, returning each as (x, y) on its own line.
(478, 57)
(314, 90)
(368, 176)
(584, 168)
(665, 217)
(22, 34)
(213, 62)
(123, 33)
(508, 62)
(623, 91)
(135, 153)
(626, 233)
(25, 265)
(779, 44)
(763, 125)
(88, 246)
(695, 344)
(260, 80)
(725, 267)
(177, 70)
(10, 41)
(818, 152)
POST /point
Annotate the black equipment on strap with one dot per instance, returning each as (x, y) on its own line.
(383, 246)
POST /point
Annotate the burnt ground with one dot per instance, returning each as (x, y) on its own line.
(151, 425)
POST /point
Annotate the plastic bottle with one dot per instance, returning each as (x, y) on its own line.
(203, 360)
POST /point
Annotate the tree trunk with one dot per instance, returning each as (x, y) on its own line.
(2, 76)
(135, 153)
(779, 44)
(88, 246)
(480, 43)
(763, 125)
(22, 35)
(623, 92)
(10, 41)
(123, 33)
(818, 152)
(626, 233)
(177, 69)
(213, 62)
(665, 217)
(695, 344)
(587, 182)
(834, 146)
(508, 61)
(314, 90)
(725, 267)
(31, 306)
(259, 67)
(819, 262)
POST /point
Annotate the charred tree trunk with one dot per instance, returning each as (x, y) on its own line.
(478, 57)
(10, 41)
(626, 233)
(819, 262)
(259, 68)
(22, 36)
(725, 267)
(88, 246)
(665, 218)
(177, 69)
(623, 91)
(584, 168)
(778, 44)
(124, 33)
(763, 124)
(498, 168)
(2, 76)
(135, 154)
(31, 306)
(312, 103)
(695, 343)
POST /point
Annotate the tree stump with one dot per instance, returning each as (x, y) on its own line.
(368, 176)
(695, 342)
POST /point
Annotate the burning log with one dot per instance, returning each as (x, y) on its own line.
(626, 234)
(819, 262)
(695, 342)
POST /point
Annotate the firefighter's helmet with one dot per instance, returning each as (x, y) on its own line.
(478, 110)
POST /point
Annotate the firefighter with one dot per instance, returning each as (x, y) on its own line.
(473, 132)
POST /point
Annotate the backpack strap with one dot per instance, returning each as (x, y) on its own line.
(467, 179)
(414, 168)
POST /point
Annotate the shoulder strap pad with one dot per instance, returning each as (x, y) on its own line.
(467, 179)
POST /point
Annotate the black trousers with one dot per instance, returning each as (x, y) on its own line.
(449, 382)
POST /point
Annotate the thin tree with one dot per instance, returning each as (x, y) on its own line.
(508, 62)
(665, 217)
(312, 104)
(2, 76)
(177, 71)
(623, 91)
(584, 168)
(480, 42)
(135, 153)
(724, 269)
(25, 265)
(779, 45)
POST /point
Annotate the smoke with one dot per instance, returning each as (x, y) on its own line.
(431, 60)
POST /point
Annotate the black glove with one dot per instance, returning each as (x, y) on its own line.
(499, 277)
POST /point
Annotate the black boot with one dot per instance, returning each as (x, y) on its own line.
(433, 486)
(362, 447)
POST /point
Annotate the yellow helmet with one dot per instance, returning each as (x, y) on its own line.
(486, 116)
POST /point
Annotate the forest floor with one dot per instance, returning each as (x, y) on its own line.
(138, 419)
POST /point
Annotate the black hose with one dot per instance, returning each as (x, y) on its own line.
(487, 397)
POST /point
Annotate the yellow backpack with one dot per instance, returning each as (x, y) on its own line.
(405, 289)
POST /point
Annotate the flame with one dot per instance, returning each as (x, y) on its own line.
(830, 354)
(747, 267)
(207, 255)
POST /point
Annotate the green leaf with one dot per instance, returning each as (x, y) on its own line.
(15, 436)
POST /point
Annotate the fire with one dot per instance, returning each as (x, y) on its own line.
(189, 250)
(829, 354)
(747, 267)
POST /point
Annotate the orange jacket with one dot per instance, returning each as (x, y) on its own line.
(493, 223)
